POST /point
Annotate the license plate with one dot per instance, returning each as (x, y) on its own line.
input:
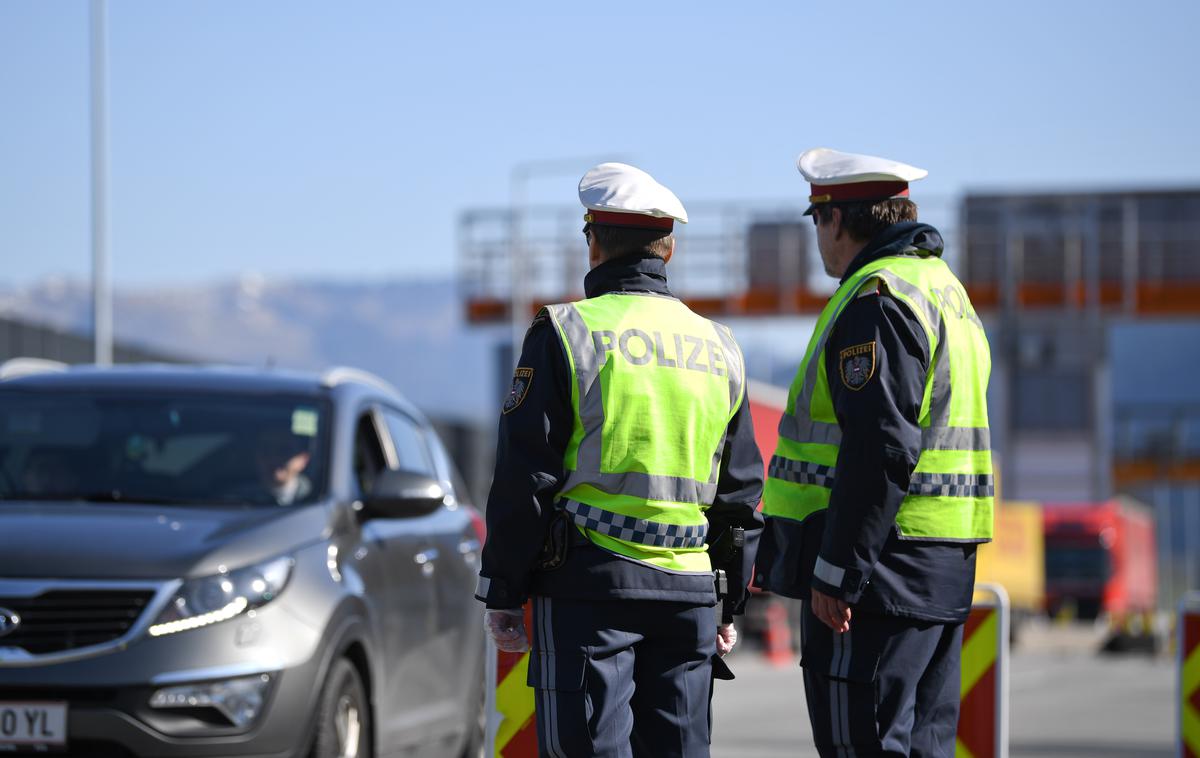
(35, 726)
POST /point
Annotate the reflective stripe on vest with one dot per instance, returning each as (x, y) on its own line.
(630, 529)
(654, 388)
(951, 492)
(947, 485)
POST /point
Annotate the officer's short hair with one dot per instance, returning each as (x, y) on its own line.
(618, 241)
(862, 221)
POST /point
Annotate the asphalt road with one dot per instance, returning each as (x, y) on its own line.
(1066, 702)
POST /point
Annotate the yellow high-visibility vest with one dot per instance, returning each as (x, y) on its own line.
(654, 387)
(950, 497)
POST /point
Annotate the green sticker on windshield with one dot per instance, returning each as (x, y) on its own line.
(304, 422)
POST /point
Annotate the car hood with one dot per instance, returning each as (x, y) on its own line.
(111, 541)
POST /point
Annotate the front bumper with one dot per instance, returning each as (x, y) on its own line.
(108, 696)
(119, 722)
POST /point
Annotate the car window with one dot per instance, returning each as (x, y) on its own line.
(186, 448)
(412, 451)
(368, 454)
(447, 468)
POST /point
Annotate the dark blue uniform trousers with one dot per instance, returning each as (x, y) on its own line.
(888, 687)
(622, 677)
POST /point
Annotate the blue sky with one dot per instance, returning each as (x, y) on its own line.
(342, 140)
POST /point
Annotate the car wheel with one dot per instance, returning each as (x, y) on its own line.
(343, 715)
(478, 716)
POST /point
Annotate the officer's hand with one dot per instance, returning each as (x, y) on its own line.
(507, 629)
(831, 612)
(726, 638)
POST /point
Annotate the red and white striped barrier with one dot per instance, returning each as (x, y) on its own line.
(1189, 676)
(983, 710)
(511, 727)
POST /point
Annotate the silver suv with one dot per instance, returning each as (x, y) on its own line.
(223, 562)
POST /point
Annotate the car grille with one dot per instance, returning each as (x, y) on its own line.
(61, 620)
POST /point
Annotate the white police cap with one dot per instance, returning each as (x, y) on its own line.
(838, 177)
(617, 194)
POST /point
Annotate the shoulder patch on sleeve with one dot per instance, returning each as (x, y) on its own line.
(857, 365)
(522, 380)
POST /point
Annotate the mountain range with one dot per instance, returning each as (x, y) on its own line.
(411, 333)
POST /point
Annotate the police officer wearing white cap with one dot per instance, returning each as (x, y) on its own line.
(880, 488)
(625, 471)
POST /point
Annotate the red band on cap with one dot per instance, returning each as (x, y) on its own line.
(631, 220)
(834, 193)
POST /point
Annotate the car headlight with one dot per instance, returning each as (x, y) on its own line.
(238, 700)
(211, 599)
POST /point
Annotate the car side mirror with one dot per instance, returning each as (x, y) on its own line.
(403, 494)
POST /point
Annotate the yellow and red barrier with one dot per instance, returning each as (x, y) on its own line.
(983, 710)
(511, 728)
(1189, 676)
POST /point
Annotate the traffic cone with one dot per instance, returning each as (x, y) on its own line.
(777, 638)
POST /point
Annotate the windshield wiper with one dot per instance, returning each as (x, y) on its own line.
(100, 496)
(104, 496)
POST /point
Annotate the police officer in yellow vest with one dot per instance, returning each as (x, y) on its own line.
(625, 451)
(881, 486)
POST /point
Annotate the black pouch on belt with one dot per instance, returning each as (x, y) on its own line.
(558, 542)
(720, 669)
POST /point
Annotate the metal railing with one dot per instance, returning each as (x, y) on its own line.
(1117, 251)
(735, 257)
(1131, 252)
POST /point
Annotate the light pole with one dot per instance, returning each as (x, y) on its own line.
(520, 289)
(101, 288)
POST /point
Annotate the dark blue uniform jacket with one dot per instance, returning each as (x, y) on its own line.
(881, 441)
(529, 473)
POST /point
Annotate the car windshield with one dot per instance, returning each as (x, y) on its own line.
(1071, 561)
(139, 447)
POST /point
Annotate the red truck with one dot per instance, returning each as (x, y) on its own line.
(1101, 558)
